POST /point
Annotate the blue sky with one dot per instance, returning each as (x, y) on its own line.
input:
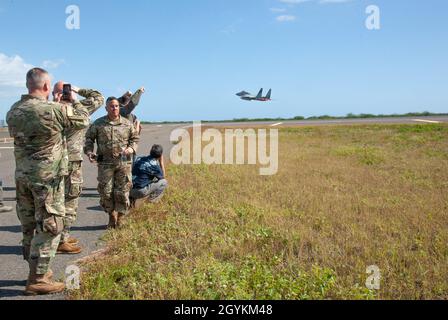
(193, 56)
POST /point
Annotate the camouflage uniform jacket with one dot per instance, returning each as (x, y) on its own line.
(75, 138)
(37, 127)
(112, 137)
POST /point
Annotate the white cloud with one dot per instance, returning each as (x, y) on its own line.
(334, 1)
(278, 10)
(53, 64)
(286, 18)
(294, 1)
(13, 71)
(232, 28)
(12, 74)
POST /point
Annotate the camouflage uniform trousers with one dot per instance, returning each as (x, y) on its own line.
(73, 189)
(40, 209)
(114, 185)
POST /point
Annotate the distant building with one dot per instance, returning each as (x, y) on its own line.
(2, 123)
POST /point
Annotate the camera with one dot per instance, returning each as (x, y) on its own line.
(67, 92)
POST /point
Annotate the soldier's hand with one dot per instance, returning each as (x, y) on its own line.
(127, 94)
(128, 151)
(142, 89)
(57, 97)
(92, 157)
(138, 126)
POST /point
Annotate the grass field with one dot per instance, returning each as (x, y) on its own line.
(345, 198)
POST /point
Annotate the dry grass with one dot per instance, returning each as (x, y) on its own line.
(344, 198)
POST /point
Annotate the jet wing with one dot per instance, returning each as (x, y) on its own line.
(243, 93)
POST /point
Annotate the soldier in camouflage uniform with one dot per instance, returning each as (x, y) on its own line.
(37, 127)
(117, 140)
(3, 208)
(73, 181)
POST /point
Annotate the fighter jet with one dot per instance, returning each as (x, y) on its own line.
(248, 97)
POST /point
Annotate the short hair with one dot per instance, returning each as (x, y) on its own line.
(156, 151)
(111, 99)
(35, 78)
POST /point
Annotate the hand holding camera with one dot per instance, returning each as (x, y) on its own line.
(93, 158)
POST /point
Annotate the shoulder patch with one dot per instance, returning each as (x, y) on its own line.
(70, 112)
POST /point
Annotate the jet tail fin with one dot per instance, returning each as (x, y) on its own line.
(260, 94)
(268, 96)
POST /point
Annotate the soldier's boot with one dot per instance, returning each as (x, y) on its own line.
(113, 218)
(73, 241)
(41, 284)
(139, 203)
(4, 208)
(26, 252)
(48, 275)
(120, 220)
(67, 248)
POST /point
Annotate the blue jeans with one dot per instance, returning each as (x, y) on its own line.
(154, 192)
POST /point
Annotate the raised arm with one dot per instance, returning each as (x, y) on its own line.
(93, 99)
(127, 109)
(76, 118)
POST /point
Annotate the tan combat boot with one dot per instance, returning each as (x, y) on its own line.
(68, 248)
(120, 222)
(113, 219)
(73, 241)
(41, 284)
(26, 256)
(48, 275)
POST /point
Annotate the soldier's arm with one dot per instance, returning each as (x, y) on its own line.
(126, 110)
(124, 99)
(151, 170)
(72, 118)
(93, 99)
(133, 139)
(91, 135)
(10, 130)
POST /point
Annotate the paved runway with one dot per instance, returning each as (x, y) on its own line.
(402, 120)
(92, 220)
